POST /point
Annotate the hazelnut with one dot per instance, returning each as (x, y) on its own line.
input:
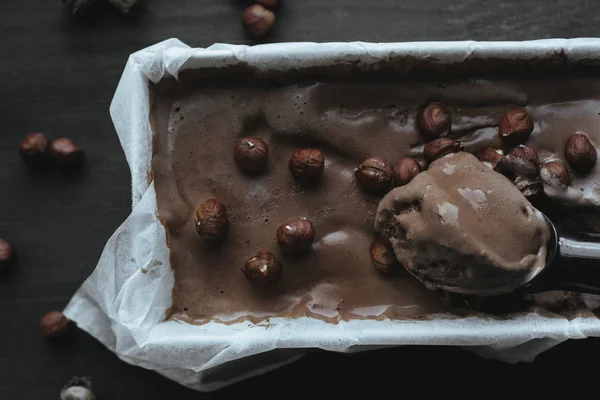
(6, 255)
(268, 3)
(490, 156)
(555, 174)
(515, 126)
(34, 149)
(580, 153)
(211, 220)
(439, 148)
(296, 235)
(307, 165)
(522, 160)
(374, 175)
(77, 389)
(66, 153)
(434, 121)
(54, 325)
(405, 170)
(258, 20)
(251, 154)
(263, 269)
(383, 257)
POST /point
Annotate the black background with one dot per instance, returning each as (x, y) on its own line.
(58, 74)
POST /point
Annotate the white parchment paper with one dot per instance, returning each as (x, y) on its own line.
(124, 302)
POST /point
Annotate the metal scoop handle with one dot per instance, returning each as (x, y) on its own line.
(573, 266)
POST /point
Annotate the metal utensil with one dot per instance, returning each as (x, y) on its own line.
(572, 263)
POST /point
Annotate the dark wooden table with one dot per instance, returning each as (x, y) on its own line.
(58, 74)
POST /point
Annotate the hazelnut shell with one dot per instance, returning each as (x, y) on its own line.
(258, 20)
(263, 269)
(296, 235)
(439, 148)
(54, 325)
(555, 174)
(251, 154)
(374, 175)
(405, 171)
(66, 153)
(211, 220)
(515, 126)
(522, 160)
(490, 156)
(580, 153)
(383, 257)
(307, 165)
(434, 121)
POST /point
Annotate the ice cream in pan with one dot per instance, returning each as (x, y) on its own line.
(464, 221)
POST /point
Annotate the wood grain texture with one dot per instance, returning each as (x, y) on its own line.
(58, 74)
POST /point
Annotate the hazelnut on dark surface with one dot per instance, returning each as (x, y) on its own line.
(211, 220)
(258, 20)
(439, 148)
(490, 156)
(268, 3)
(78, 389)
(66, 153)
(55, 325)
(405, 170)
(555, 174)
(307, 165)
(515, 126)
(34, 148)
(522, 160)
(374, 175)
(296, 235)
(251, 154)
(6, 255)
(383, 257)
(434, 121)
(580, 153)
(263, 269)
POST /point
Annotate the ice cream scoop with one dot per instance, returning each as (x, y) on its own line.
(464, 228)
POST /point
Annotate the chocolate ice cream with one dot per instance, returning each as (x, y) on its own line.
(462, 227)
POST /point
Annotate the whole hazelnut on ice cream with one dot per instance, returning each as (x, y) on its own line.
(434, 121)
(263, 269)
(383, 257)
(490, 156)
(555, 174)
(251, 154)
(515, 126)
(405, 170)
(307, 165)
(439, 148)
(522, 160)
(296, 235)
(34, 149)
(374, 175)
(54, 325)
(258, 20)
(580, 153)
(211, 220)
